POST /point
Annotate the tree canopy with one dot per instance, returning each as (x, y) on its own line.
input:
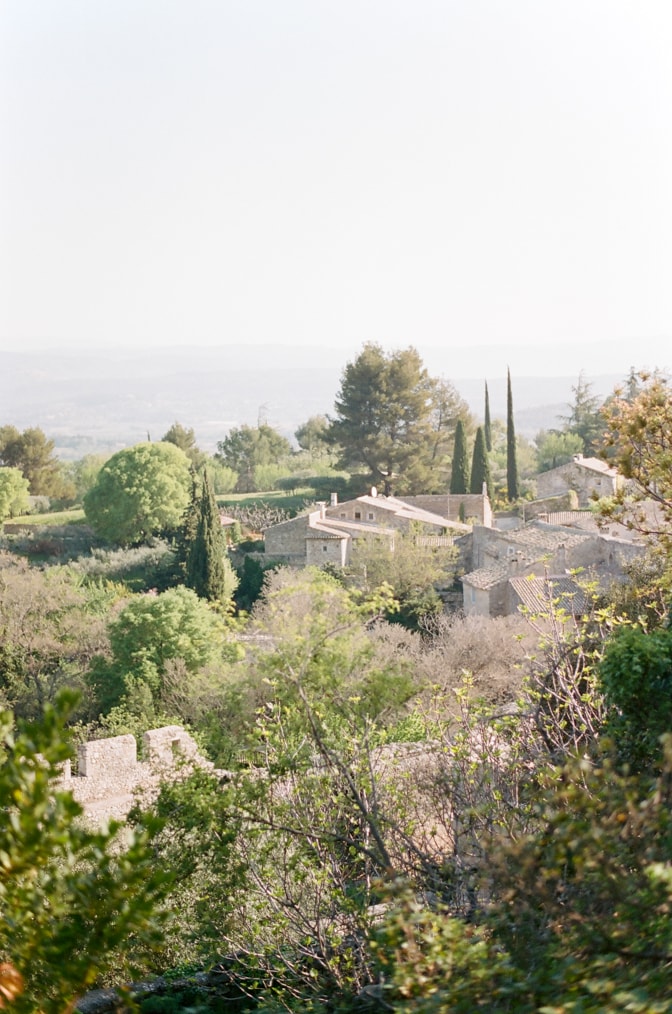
(33, 454)
(139, 492)
(248, 448)
(459, 474)
(13, 493)
(394, 421)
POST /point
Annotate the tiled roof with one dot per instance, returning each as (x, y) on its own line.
(596, 465)
(538, 538)
(487, 577)
(408, 511)
(537, 594)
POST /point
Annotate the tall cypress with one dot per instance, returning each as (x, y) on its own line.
(488, 424)
(205, 558)
(480, 467)
(511, 457)
(187, 532)
(459, 472)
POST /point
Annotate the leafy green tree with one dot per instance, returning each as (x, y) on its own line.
(636, 678)
(638, 442)
(393, 420)
(410, 569)
(585, 418)
(554, 449)
(205, 555)
(70, 896)
(512, 490)
(578, 918)
(84, 473)
(459, 475)
(185, 439)
(153, 630)
(248, 448)
(33, 454)
(480, 467)
(487, 428)
(51, 628)
(13, 493)
(312, 435)
(140, 492)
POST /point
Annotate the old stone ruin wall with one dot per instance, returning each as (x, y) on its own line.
(110, 776)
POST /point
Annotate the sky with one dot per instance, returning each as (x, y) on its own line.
(444, 173)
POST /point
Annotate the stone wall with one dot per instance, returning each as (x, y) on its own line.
(287, 541)
(110, 775)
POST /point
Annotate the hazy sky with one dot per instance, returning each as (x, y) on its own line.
(435, 172)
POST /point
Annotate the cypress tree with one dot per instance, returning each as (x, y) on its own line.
(187, 531)
(480, 468)
(511, 458)
(488, 424)
(205, 557)
(459, 472)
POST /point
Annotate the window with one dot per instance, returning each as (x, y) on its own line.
(370, 515)
(358, 515)
(324, 549)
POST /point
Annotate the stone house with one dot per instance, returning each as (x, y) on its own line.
(590, 478)
(498, 558)
(326, 535)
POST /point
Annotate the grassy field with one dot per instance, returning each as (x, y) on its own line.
(71, 517)
(277, 498)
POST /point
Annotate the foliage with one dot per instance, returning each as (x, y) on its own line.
(459, 473)
(393, 420)
(564, 694)
(140, 568)
(69, 896)
(206, 549)
(636, 678)
(487, 424)
(512, 490)
(579, 916)
(554, 449)
(185, 439)
(585, 419)
(480, 466)
(33, 454)
(250, 576)
(246, 449)
(152, 630)
(638, 443)
(13, 493)
(199, 827)
(50, 630)
(141, 491)
(410, 570)
(311, 436)
(83, 473)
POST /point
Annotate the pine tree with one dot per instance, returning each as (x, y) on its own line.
(488, 424)
(459, 474)
(480, 468)
(205, 557)
(511, 458)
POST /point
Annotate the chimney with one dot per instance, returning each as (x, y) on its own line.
(322, 504)
(333, 500)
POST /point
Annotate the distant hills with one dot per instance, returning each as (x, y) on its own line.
(89, 400)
